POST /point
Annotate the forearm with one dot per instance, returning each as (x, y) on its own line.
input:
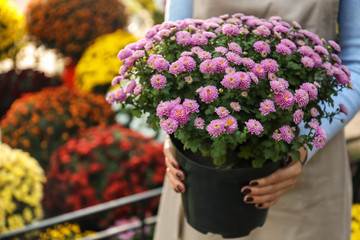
(178, 9)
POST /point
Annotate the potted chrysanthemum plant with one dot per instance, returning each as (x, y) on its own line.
(232, 86)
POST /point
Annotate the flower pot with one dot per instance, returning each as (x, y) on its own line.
(213, 201)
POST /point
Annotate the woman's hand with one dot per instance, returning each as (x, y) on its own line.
(265, 192)
(175, 175)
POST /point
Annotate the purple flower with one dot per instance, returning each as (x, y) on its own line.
(276, 136)
(290, 44)
(254, 126)
(335, 46)
(277, 86)
(210, 35)
(110, 97)
(129, 87)
(177, 68)
(198, 39)
(120, 95)
(245, 80)
(180, 114)
(314, 124)
(196, 50)
(319, 142)
(272, 76)
(248, 62)
(270, 65)
(137, 89)
(234, 58)
(311, 89)
(287, 133)
(261, 46)
(316, 59)
(336, 58)
(222, 112)
(199, 123)
(306, 51)
(138, 54)
(189, 63)
(231, 80)
(329, 68)
(189, 79)
(209, 94)
(258, 70)
(150, 33)
(343, 109)
(207, 66)
(230, 124)
(263, 31)
(298, 116)
(235, 106)
(285, 99)
(216, 127)
(314, 112)
(124, 53)
(267, 107)
(281, 29)
(221, 50)
(169, 125)
(191, 105)
(158, 81)
(320, 131)
(183, 38)
(116, 80)
(220, 64)
(307, 61)
(164, 109)
(283, 49)
(235, 47)
(203, 55)
(230, 70)
(128, 62)
(321, 50)
(230, 29)
(301, 97)
(164, 33)
(160, 64)
(253, 77)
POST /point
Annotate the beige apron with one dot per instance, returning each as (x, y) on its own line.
(319, 206)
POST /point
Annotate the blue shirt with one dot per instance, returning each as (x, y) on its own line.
(349, 40)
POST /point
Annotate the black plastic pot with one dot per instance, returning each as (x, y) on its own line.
(213, 201)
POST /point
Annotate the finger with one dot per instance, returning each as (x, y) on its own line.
(264, 198)
(265, 205)
(268, 189)
(293, 169)
(169, 157)
(176, 184)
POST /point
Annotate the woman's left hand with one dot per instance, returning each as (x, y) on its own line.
(265, 192)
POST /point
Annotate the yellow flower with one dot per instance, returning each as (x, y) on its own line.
(99, 65)
(15, 221)
(28, 216)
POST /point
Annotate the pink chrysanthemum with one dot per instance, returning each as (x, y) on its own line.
(216, 127)
(258, 70)
(335, 58)
(290, 44)
(221, 50)
(321, 50)
(307, 61)
(188, 79)
(189, 63)
(183, 38)
(261, 46)
(272, 76)
(316, 59)
(341, 77)
(298, 116)
(320, 131)
(335, 46)
(281, 29)
(234, 58)
(222, 112)
(230, 70)
(277, 136)
(180, 114)
(329, 68)
(235, 48)
(138, 54)
(267, 107)
(129, 62)
(270, 65)
(203, 55)
(254, 126)
(311, 90)
(199, 123)
(207, 66)
(253, 77)
(306, 51)
(343, 109)
(196, 50)
(301, 97)
(285, 99)
(220, 64)
(158, 81)
(137, 89)
(244, 80)
(160, 64)
(120, 95)
(248, 62)
(319, 142)
(191, 105)
(169, 125)
(116, 80)
(198, 39)
(287, 133)
(277, 86)
(209, 94)
(235, 106)
(283, 49)
(124, 53)
(186, 54)
(129, 87)
(314, 112)
(314, 124)
(230, 124)
(176, 68)
(263, 31)
(164, 109)
(231, 80)
(230, 29)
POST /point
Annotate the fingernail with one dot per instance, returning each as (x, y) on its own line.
(178, 175)
(176, 190)
(246, 191)
(254, 183)
(174, 165)
(249, 199)
(259, 205)
(286, 161)
(179, 188)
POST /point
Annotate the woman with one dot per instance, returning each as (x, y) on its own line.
(312, 201)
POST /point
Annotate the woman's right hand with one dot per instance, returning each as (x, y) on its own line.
(173, 172)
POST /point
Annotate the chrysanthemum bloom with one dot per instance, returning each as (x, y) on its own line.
(311, 90)
(343, 109)
(341, 77)
(198, 39)
(335, 46)
(335, 58)
(120, 95)
(189, 63)
(234, 58)
(189, 79)
(316, 59)
(160, 64)
(258, 70)
(203, 55)
(314, 124)
(290, 44)
(129, 87)
(270, 65)
(158, 81)
(307, 61)
(137, 89)
(110, 97)
(138, 54)
(321, 50)
(244, 94)
(116, 80)
(272, 76)
(329, 68)
(164, 33)
(230, 29)
(314, 112)
(220, 64)
(261, 46)
(177, 68)
(283, 49)
(210, 35)
(298, 116)
(216, 127)
(164, 109)
(235, 106)
(124, 53)
(222, 112)
(209, 94)
(150, 34)
(319, 142)
(253, 77)
(191, 105)
(245, 80)
(199, 123)
(287, 133)
(277, 86)
(235, 48)
(230, 70)
(129, 62)
(277, 136)
(221, 50)
(281, 29)
(231, 80)
(267, 107)
(254, 126)
(263, 31)
(169, 125)
(180, 114)
(301, 97)
(183, 38)
(196, 50)
(285, 99)
(207, 66)
(306, 51)
(320, 131)
(230, 124)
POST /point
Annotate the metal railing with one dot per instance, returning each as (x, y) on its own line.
(85, 212)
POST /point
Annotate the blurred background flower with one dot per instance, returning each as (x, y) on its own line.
(66, 231)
